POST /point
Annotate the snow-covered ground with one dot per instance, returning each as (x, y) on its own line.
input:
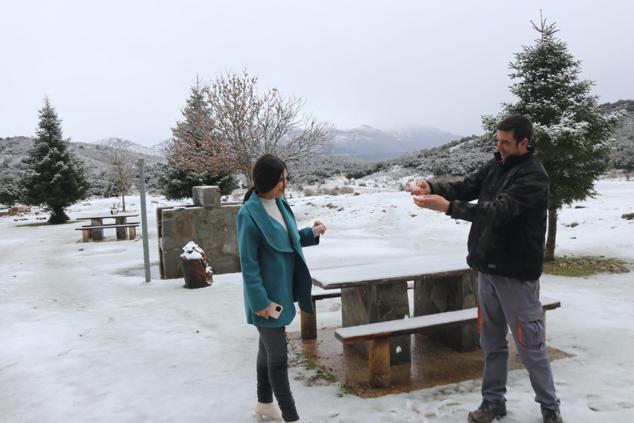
(84, 339)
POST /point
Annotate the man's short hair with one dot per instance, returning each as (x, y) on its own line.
(519, 124)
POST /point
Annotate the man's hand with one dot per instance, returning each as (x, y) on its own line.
(433, 202)
(420, 187)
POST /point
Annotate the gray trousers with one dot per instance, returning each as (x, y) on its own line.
(507, 302)
(272, 371)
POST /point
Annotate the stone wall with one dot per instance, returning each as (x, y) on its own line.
(208, 223)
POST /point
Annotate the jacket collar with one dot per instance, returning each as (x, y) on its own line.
(513, 160)
(273, 233)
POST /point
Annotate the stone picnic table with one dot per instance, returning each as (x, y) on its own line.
(97, 221)
(377, 292)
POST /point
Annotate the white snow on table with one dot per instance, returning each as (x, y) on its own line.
(403, 268)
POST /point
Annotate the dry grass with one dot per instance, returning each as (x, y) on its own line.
(15, 211)
(584, 266)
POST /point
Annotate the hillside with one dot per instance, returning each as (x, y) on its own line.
(462, 156)
(457, 157)
(94, 156)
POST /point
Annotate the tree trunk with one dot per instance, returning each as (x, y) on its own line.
(123, 202)
(58, 216)
(549, 255)
(248, 174)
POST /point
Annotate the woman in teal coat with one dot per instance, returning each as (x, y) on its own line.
(274, 273)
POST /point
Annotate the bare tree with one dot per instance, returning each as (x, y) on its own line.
(122, 172)
(238, 124)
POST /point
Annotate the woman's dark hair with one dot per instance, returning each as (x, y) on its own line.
(266, 174)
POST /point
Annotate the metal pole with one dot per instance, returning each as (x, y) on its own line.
(146, 248)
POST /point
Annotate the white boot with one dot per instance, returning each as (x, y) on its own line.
(270, 410)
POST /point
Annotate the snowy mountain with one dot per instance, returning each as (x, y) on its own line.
(114, 142)
(366, 142)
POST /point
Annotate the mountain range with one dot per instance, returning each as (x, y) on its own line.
(355, 152)
(368, 143)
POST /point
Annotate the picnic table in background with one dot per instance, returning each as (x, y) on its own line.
(94, 231)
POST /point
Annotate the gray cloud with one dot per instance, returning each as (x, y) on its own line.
(123, 68)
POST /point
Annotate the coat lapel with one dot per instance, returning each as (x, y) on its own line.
(274, 235)
(291, 225)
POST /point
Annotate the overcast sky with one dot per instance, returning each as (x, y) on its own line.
(124, 68)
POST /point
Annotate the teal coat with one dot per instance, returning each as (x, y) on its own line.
(272, 261)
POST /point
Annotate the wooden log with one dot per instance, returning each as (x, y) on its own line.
(379, 357)
(85, 235)
(309, 323)
(195, 273)
(132, 230)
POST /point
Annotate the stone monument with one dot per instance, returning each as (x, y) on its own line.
(208, 223)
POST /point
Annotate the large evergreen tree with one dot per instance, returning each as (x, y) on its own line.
(191, 144)
(54, 178)
(572, 136)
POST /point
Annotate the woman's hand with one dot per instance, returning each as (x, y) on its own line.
(319, 228)
(263, 313)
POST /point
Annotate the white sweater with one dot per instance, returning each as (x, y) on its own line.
(271, 208)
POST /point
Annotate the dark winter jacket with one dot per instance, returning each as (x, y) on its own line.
(509, 220)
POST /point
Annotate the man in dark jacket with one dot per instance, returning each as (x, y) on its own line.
(506, 247)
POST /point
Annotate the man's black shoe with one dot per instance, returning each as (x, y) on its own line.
(488, 411)
(551, 415)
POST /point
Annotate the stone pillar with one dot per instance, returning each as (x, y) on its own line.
(377, 303)
(96, 234)
(449, 293)
(121, 232)
(207, 196)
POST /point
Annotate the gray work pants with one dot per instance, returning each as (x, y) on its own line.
(505, 302)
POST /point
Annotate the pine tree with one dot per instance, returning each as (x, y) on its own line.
(192, 156)
(8, 191)
(176, 184)
(572, 136)
(55, 178)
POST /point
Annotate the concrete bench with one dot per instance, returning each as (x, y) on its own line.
(379, 334)
(309, 321)
(95, 232)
